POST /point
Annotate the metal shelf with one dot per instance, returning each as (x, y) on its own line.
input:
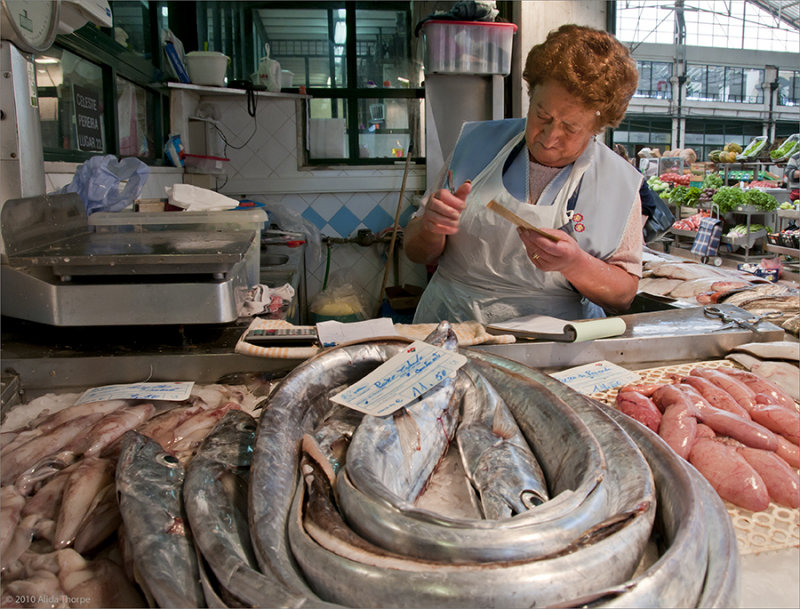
(782, 250)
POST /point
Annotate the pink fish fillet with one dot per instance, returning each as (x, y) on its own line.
(738, 390)
(761, 385)
(679, 428)
(639, 407)
(788, 452)
(783, 482)
(730, 474)
(717, 397)
(778, 419)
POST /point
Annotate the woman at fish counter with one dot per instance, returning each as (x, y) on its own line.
(550, 170)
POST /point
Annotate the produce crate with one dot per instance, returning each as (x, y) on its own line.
(744, 241)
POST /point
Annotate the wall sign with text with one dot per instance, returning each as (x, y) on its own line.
(88, 118)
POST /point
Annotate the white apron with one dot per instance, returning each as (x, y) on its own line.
(485, 274)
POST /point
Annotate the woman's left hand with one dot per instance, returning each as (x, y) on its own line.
(607, 285)
(549, 255)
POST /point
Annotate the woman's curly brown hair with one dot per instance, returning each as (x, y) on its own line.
(592, 65)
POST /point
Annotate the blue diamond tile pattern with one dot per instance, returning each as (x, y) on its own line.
(313, 217)
(377, 219)
(406, 215)
(344, 222)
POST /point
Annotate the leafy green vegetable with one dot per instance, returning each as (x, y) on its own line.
(760, 199)
(685, 195)
(787, 148)
(712, 180)
(728, 198)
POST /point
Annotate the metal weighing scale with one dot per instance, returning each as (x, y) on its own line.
(58, 270)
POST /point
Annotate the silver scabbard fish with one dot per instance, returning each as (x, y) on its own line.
(398, 453)
(496, 456)
(215, 495)
(149, 488)
(295, 408)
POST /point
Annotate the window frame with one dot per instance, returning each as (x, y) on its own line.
(350, 96)
(98, 46)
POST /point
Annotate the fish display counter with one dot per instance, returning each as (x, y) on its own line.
(290, 497)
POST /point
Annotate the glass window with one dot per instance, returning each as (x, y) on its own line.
(709, 23)
(132, 26)
(309, 42)
(99, 87)
(705, 135)
(788, 88)
(654, 79)
(356, 61)
(71, 105)
(134, 109)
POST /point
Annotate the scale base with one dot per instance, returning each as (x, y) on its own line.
(35, 294)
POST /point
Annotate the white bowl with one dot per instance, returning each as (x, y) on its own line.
(207, 67)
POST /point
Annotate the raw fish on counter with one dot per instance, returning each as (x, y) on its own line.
(748, 445)
(266, 513)
(60, 514)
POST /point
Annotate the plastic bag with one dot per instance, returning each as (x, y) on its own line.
(98, 181)
(340, 301)
(176, 57)
(659, 215)
(285, 218)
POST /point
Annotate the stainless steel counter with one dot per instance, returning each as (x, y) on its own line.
(652, 339)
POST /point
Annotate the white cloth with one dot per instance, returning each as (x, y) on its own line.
(194, 198)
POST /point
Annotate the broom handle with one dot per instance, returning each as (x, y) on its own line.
(394, 231)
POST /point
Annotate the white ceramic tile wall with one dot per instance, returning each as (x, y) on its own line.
(264, 166)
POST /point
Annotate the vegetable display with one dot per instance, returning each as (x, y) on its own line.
(731, 198)
(753, 149)
(675, 178)
(760, 199)
(685, 195)
(728, 198)
(656, 185)
(740, 230)
(712, 180)
(786, 149)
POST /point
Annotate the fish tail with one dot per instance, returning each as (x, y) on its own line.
(503, 424)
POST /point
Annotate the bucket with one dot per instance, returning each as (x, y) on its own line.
(207, 67)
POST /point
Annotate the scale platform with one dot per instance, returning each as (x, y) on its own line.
(58, 270)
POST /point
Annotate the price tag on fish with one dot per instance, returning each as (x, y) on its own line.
(401, 380)
(596, 377)
(172, 391)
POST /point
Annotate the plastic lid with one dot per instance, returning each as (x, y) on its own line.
(448, 21)
(207, 158)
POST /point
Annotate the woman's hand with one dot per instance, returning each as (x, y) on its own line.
(607, 285)
(424, 237)
(550, 255)
(443, 210)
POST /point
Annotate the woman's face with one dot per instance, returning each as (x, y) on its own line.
(559, 127)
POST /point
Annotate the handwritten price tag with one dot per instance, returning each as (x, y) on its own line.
(400, 380)
(596, 377)
(175, 392)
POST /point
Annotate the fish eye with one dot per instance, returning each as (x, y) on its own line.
(246, 426)
(167, 459)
